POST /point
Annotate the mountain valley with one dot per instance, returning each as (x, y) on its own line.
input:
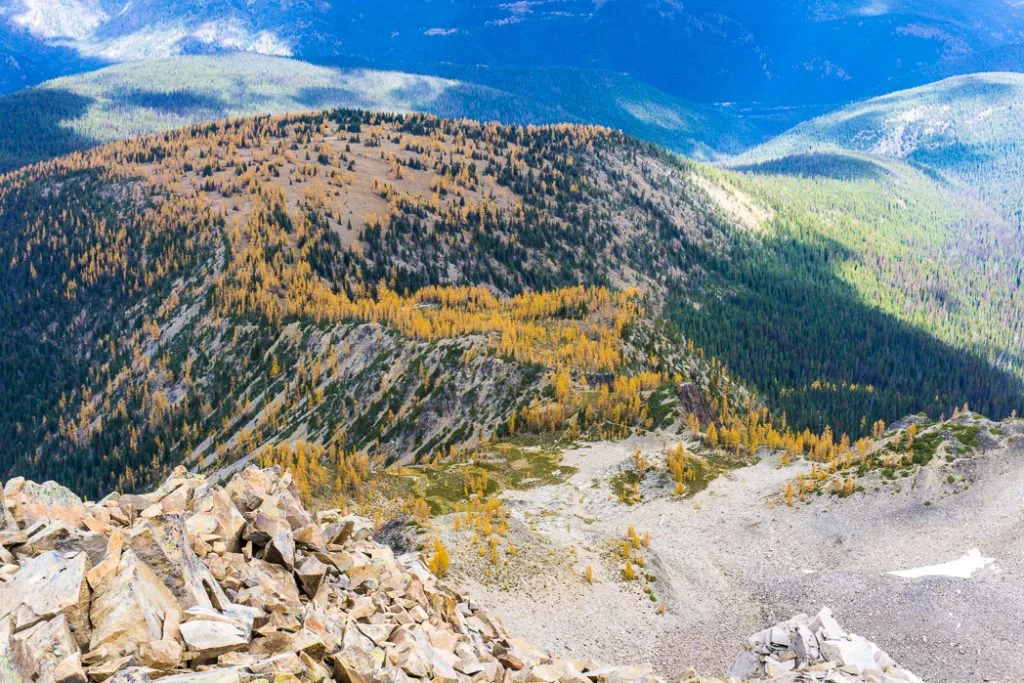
(563, 341)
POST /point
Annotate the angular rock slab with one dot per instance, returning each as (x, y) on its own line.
(209, 639)
(31, 502)
(46, 586)
(162, 543)
(128, 608)
(39, 650)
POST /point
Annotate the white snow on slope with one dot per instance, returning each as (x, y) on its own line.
(962, 568)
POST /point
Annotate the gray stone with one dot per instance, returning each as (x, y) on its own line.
(162, 543)
(46, 586)
(746, 666)
(209, 639)
(39, 650)
(129, 607)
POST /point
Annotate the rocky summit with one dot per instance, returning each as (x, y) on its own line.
(198, 582)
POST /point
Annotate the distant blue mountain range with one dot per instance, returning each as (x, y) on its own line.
(780, 52)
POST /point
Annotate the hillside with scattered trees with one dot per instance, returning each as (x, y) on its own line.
(401, 288)
(917, 278)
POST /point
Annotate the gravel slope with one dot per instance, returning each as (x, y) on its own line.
(727, 563)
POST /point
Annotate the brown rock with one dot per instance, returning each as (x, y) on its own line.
(365, 575)
(108, 567)
(248, 488)
(162, 543)
(353, 665)
(316, 672)
(336, 533)
(273, 584)
(104, 670)
(39, 650)
(163, 655)
(378, 633)
(134, 674)
(215, 503)
(52, 535)
(209, 639)
(271, 529)
(94, 524)
(172, 625)
(174, 503)
(31, 502)
(229, 675)
(310, 536)
(311, 574)
(129, 607)
(70, 670)
(284, 663)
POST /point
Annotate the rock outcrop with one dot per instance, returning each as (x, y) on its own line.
(806, 649)
(199, 583)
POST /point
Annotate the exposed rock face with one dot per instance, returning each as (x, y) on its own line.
(693, 401)
(199, 584)
(128, 607)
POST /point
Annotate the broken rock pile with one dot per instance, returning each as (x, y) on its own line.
(816, 650)
(199, 583)
(208, 584)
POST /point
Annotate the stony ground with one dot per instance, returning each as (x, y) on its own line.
(732, 560)
(198, 583)
(194, 582)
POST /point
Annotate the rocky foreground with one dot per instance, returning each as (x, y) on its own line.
(198, 582)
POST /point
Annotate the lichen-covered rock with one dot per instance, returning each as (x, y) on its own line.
(30, 502)
(162, 543)
(40, 649)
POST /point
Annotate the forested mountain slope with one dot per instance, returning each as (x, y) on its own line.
(137, 98)
(966, 128)
(201, 293)
(399, 287)
(854, 255)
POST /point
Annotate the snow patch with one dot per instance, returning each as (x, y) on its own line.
(962, 568)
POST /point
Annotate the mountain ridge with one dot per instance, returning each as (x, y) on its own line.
(749, 43)
(246, 281)
(961, 127)
(127, 100)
